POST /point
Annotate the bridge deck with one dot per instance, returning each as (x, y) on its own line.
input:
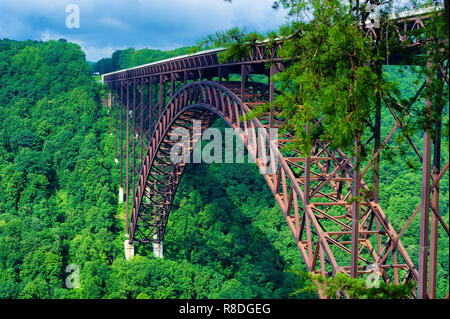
(406, 20)
(204, 52)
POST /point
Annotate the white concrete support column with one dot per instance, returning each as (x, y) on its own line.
(120, 195)
(129, 249)
(157, 248)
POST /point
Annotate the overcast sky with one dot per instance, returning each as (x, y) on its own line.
(107, 25)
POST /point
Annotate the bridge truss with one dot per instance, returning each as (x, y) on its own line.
(332, 232)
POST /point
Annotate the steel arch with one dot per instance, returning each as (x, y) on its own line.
(208, 100)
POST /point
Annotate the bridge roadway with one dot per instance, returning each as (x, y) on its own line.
(314, 192)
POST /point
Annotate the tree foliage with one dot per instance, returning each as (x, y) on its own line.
(226, 236)
(333, 74)
(341, 285)
(128, 58)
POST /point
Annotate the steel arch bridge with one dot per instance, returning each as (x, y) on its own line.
(332, 232)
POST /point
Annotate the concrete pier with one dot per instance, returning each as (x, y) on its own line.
(129, 249)
(120, 195)
(157, 248)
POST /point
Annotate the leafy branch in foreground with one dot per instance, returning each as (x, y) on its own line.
(335, 287)
(333, 78)
(333, 71)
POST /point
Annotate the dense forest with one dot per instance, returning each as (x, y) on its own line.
(226, 236)
(58, 201)
(123, 59)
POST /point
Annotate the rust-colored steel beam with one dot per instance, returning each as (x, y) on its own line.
(127, 158)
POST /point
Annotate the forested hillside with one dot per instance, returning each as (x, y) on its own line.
(58, 201)
(123, 59)
(401, 162)
(401, 176)
(226, 236)
(57, 198)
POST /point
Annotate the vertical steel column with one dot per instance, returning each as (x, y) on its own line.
(306, 204)
(115, 111)
(128, 155)
(244, 74)
(355, 208)
(271, 92)
(164, 90)
(160, 95)
(142, 122)
(377, 128)
(150, 108)
(424, 218)
(134, 139)
(121, 135)
(120, 109)
(435, 204)
(172, 84)
(109, 104)
(377, 143)
(307, 173)
(425, 207)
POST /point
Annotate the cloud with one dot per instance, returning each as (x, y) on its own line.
(107, 25)
(114, 23)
